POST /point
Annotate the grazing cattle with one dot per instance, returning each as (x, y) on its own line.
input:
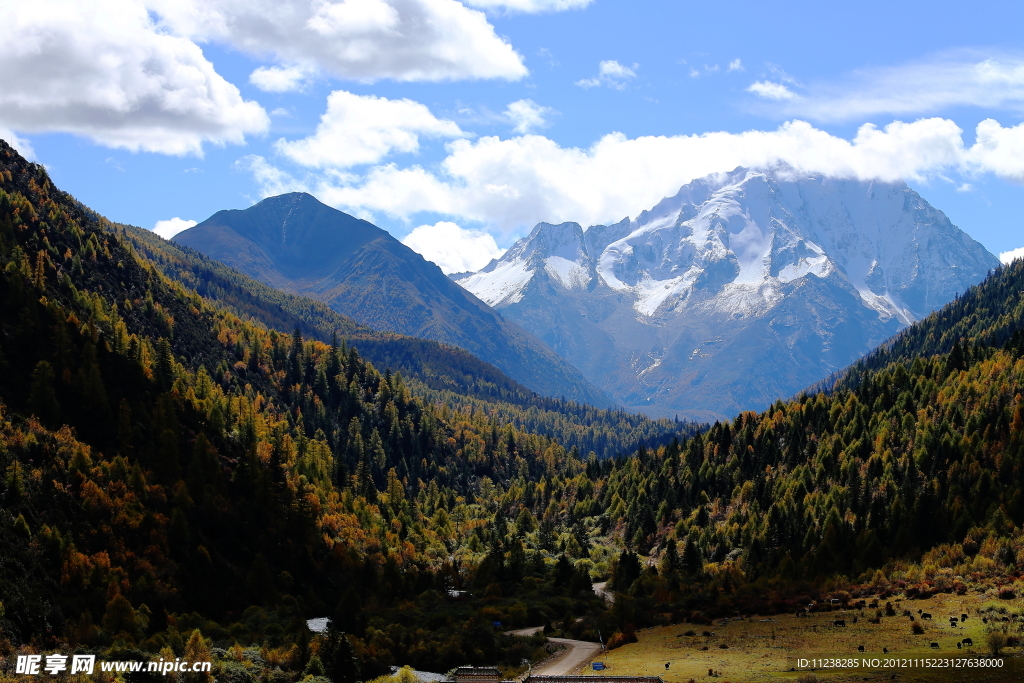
(860, 648)
(925, 615)
(958, 646)
(885, 650)
(918, 611)
(707, 634)
(963, 617)
(968, 642)
(855, 620)
(935, 645)
(912, 617)
(984, 620)
(839, 622)
(952, 621)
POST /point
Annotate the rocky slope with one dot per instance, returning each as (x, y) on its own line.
(297, 244)
(743, 288)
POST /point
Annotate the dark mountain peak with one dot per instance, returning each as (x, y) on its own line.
(296, 243)
(293, 233)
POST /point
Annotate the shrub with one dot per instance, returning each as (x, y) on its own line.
(619, 639)
(916, 628)
(996, 642)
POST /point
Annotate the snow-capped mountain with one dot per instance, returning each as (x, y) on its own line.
(743, 288)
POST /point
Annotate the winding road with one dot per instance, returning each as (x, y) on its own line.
(575, 654)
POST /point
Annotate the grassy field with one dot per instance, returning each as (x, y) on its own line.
(769, 648)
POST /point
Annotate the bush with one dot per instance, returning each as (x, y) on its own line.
(619, 639)
(996, 642)
(916, 628)
(233, 672)
(1007, 594)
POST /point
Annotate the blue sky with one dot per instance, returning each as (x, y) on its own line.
(469, 122)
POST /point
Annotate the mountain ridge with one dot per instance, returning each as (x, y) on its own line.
(295, 243)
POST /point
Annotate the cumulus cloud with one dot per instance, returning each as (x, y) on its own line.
(530, 6)
(736, 65)
(511, 184)
(405, 40)
(103, 70)
(363, 129)
(771, 91)
(171, 227)
(280, 78)
(964, 78)
(1011, 256)
(452, 248)
(527, 116)
(611, 74)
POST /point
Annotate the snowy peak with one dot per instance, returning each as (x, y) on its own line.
(824, 268)
(560, 251)
(730, 233)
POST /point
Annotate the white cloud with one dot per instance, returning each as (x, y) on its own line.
(771, 91)
(509, 185)
(103, 70)
(530, 6)
(280, 78)
(452, 248)
(21, 145)
(527, 116)
(1011, 256)
(363, 129)
(611, 74)
(171, 227)
(736, 65)
(999, 150)
(965, 78)
(405, 40)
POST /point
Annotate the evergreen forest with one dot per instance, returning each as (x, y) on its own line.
(195, 464)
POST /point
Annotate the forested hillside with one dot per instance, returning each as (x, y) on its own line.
(434, 371)
(912, 466)
(169, 466)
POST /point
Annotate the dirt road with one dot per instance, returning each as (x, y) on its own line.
(604, 593)
(576, 655)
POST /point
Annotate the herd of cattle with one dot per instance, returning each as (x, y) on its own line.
(954, 621)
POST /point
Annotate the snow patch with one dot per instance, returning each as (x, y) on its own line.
(502, 286)
(569, 273)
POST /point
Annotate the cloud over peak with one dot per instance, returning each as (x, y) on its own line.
(511, 184)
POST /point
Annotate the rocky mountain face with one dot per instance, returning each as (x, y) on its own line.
(743, 288)
(297, 244)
